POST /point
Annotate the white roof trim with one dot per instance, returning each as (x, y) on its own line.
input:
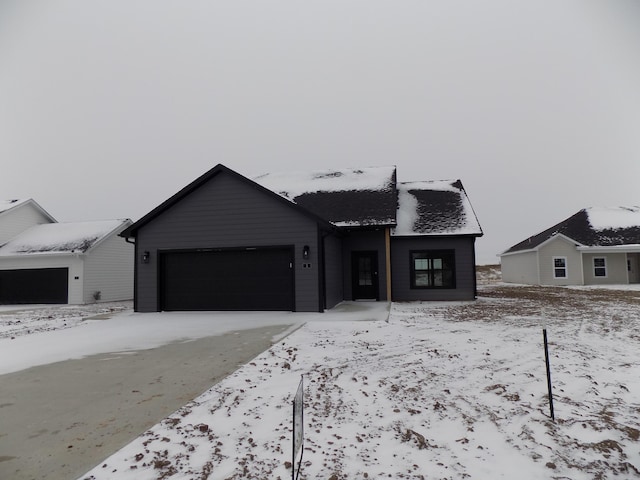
(546, 242)
(631, 248)
(35, 205)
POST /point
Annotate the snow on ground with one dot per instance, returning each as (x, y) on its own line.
(439, 391)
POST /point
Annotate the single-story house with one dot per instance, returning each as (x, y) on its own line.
(304, 242)
(596, 246)
(48, 262)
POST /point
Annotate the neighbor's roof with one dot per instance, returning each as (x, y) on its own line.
(345, 197)
(6, 205)
(61, 238)
(593, 226)
(9, 204)
(435, 208)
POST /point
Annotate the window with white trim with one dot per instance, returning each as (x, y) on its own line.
(559, 267)
(599, 267)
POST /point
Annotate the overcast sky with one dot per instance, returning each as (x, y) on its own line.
(109, 107)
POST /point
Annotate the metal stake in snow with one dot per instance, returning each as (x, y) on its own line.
(298, 430)
(546, 358)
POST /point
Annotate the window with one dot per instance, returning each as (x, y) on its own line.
(599, 267)
(559, 267)
(433, 269)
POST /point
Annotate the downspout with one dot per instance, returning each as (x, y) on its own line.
(475, 274)
(135, 272)
(387, 247)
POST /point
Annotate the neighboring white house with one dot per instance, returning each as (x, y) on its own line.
(19, 214)
(42, 261)
(596, 246)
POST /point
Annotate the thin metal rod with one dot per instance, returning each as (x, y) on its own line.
(546, 358)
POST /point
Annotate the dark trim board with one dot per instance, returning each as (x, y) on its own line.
(260, 278)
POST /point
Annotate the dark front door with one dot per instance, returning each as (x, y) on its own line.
(364, 274)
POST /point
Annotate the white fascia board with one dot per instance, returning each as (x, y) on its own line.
(517, 252)
(41, 255)
(120, 228)
(547, 241)
(635, 248)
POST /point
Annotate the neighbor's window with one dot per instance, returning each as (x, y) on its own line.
(559, 267)
(600, 267)
(433, 269)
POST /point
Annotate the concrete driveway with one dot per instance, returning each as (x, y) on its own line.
(59, 420)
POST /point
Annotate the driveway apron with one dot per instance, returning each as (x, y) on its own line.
(58, 421)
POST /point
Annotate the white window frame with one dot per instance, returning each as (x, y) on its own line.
(555, 269)
(596, 268)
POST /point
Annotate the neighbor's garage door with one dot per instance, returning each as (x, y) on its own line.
(256, 279)
(40, 285)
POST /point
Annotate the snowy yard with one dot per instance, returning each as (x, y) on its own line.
(439, 391)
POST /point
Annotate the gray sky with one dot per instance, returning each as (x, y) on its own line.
(109, 107)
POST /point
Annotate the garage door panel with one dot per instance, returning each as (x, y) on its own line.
(259, 279)
(37, 285)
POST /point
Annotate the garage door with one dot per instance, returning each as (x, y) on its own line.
(251, 279)
(40, 285)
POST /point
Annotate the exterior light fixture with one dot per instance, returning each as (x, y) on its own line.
(145, 256)
(305, 252)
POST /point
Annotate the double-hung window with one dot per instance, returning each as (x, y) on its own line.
(599, 267)
(433, 269)
(559, 267)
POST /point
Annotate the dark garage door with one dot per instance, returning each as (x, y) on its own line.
(252, 279)
(39, 285)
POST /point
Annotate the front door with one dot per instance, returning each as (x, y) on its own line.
(364, 274)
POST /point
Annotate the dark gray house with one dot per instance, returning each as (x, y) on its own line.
(304, 242)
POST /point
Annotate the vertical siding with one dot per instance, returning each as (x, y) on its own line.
(108, 269)
(333, 271)
(616, 269)
(18, 220)
(520, 268)
(559, 247)
(401, 268)
(364, 240)
(226, 213)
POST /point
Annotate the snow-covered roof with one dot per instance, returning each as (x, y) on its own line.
(346, 197)
(9, 204)
(592, 227)
(6, 205)
(613, 218)
(435, 208)
(61, 238)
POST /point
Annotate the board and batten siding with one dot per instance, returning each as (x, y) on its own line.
(334, 290)
(520, 267)
(108, 269)
(226, 212)
(19, 219)
(73, 262)
(560, 247)
(616, 267)
(464, 248)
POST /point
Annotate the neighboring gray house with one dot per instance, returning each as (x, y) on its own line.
(304, 242)
(42, 261)
(596, 246)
